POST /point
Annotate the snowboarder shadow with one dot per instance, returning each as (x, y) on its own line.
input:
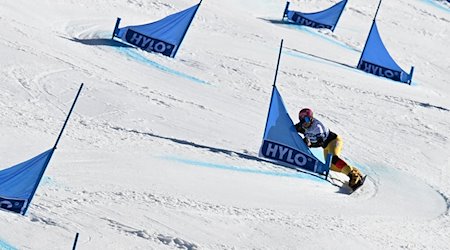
(343, 186)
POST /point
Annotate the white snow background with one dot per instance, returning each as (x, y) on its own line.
(161, 153)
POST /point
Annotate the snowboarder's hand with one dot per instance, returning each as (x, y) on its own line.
(319, 142)
(307, 141)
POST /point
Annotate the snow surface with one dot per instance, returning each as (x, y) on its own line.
(161, 153)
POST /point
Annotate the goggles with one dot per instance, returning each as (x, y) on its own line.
(305, 119)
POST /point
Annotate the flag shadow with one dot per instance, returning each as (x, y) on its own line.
(218, 151)
(98, 42)
(281, 22)
(276, 21)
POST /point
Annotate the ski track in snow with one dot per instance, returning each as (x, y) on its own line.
(123, 198)
(142, 233)
(408, 195)
(386, 189)
(374, 188)
(371, 190)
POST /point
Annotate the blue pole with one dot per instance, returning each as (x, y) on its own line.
(75, 242)
(51, 154)
(274, 86)
(371, 27)
(278, 63)
(116, 28)
(184, 34)
(411, 75)
(340, 14)
(376, 13)
(285, 10)
(68, 116)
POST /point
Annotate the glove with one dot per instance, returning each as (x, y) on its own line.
(299, 128)
(307, 141)
(319, 142)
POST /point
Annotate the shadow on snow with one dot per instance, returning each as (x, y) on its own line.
(99, 42)
(223, 151)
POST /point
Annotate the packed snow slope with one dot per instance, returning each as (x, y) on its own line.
(161, 153)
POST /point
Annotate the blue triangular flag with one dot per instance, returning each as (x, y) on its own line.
(163, 36)
(18, 183)
(281, 142)
(375, 59)
(327, 18)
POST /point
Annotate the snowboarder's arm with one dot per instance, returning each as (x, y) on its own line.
(299, 128)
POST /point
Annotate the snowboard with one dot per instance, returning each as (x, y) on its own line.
(359, 185)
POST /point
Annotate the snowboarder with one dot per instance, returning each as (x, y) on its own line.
(317, 135)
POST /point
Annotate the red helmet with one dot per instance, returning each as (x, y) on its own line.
(306, 112)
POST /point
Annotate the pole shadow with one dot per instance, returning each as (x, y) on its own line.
(322, 58)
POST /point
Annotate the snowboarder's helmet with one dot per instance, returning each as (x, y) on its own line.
(305, 115)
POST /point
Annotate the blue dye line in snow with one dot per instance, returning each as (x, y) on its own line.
(132, 53)
(6, 246)
(437, 5)
(298, 175)
(313, 32)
